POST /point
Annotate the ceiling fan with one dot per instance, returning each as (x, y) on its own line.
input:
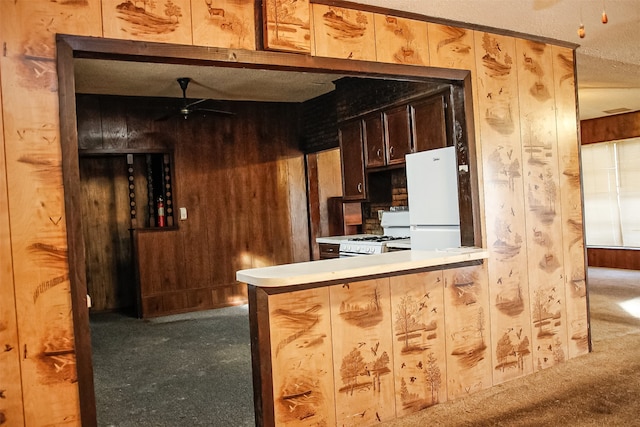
(191, 107)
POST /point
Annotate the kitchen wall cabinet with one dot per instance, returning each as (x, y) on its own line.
(397, 134)
(429, 123)
(374, 140)
(387, 136)
(351, 151)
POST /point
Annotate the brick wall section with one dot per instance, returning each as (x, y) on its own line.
(399, 197)
(319, 127)
(358, 96)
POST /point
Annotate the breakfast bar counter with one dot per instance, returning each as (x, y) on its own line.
(359, 340)
(355, 267)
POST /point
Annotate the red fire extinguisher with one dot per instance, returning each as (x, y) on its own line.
(161, 216)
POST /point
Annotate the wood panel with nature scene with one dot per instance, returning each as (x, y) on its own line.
(11, 410)
(401, 40)
(167, 21)
(466, 304)
(571, 202)
(419, 356)
(300, 328)
(542, 213)
(224, 23)
(504, 208)
(287, 25)
(40, 281)
(339, 32)
(451, 47)
(361, 322)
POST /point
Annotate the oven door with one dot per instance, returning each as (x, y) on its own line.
(349, 254)
(351, 249)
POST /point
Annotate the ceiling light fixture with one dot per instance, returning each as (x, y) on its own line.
(604, 19)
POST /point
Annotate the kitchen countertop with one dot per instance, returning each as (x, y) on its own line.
(337, 239)
(354, 267)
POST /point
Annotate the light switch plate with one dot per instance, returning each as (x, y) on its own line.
(183, 214)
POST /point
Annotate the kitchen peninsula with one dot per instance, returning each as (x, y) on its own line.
(358, 340)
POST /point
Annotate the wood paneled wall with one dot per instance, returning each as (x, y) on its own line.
(610, 128)
(507, 134)
(234, 174)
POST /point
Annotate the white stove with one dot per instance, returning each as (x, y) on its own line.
(367, 245)
(396, 228)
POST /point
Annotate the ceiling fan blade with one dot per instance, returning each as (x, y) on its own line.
(210, 110)
(165, 117)
(191, 104)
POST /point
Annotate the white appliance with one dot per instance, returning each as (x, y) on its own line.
(372, 244)
(395, 222)
(432, 187)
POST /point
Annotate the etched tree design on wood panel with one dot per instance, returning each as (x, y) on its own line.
(285, 18)
(504, 171)
(507, 243)
(512, 355)
(406, 320)
(469, 344)
(363, 315)
(343, 27)
(353, 365)
(544, 302)
(380, 367)
(433, 377)
(509, 296)
(497, 66)
(143, 20)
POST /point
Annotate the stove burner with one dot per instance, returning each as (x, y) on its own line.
(377, 238)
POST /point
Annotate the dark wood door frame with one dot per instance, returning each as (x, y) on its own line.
(70, 47)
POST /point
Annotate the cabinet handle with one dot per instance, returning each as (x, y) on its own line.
(359, 187)
(391, 151)
(379, 153)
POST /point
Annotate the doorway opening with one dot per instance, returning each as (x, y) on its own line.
(73, 50)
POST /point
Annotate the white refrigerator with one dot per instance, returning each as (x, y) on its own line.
(432, 187)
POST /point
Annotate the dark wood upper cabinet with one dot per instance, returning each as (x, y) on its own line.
(351, 151)
(398, 134)
(374, 140)
(429, 119)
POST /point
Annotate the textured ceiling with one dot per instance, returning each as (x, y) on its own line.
(608, 58)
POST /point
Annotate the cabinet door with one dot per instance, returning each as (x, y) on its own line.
(429, 124)
(398, 134)
(374, 140)
(351, 152)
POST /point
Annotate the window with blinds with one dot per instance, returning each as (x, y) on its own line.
(611, 183)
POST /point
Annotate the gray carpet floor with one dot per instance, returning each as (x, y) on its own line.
(183, 370)
(195, 370)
